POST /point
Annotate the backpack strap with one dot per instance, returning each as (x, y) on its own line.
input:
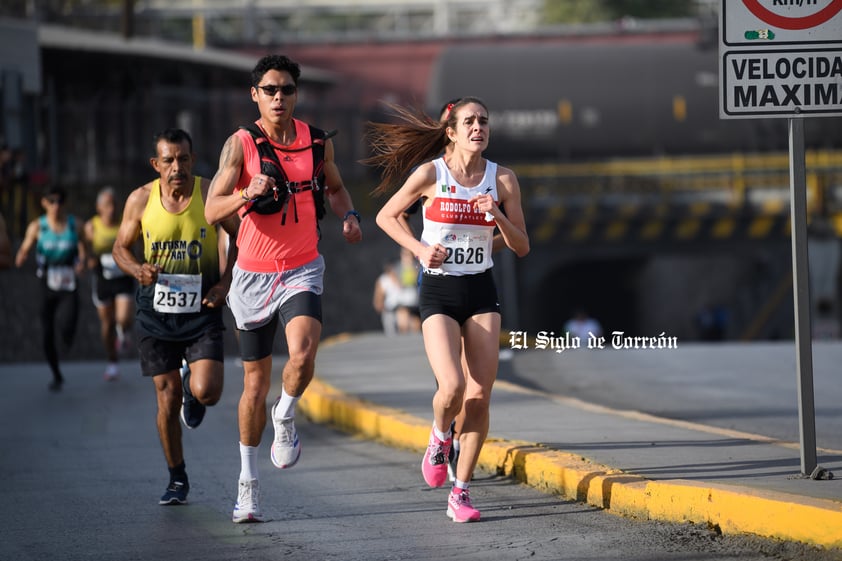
(318, 137)
(267, 155)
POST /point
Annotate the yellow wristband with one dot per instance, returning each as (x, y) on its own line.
(244, 194)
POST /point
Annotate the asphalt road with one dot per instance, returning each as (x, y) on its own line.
(81, 472)
(750, 388)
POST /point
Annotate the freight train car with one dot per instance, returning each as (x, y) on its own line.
(580, 100)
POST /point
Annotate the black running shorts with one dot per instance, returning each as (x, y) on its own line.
(159, 356)
(459, 297)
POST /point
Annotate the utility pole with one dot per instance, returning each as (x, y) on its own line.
(127, 21)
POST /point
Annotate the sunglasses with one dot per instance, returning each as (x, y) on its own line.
(271, 91)
(54, 200)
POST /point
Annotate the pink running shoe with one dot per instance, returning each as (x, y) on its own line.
(434, 464)
(459, 507)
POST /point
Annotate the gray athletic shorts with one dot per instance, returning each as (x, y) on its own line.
(256, 298)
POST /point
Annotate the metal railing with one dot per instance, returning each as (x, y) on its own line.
(734, 180)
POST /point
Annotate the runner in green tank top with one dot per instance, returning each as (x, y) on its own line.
(60, 257)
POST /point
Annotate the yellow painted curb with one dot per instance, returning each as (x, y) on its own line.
(323, 403)
(731, 509)
(741, 510)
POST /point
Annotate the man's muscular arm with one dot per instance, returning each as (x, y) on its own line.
(340, 198)
(222, 201)
(127, 235)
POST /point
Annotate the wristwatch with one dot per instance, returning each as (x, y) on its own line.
(353, 213)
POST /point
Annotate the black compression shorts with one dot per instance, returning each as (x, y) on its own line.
(257, 343)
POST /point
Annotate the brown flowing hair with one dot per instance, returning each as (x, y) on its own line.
(416, 138)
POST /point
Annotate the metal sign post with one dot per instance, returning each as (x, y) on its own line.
(780, 60)
(801, 296)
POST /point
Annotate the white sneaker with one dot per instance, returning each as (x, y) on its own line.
(286, 448)
(247, 508)
(121, 341)
(112, 371)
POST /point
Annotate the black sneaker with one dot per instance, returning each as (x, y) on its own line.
(192, 412)
(176, 493)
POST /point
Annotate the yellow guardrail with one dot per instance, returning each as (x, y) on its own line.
(733, 178)
(731, 164)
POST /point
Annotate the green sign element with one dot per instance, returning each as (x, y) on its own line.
(761, 34)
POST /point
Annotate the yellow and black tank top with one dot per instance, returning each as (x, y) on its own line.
(103, 236)
(185, 246)
(102, 243)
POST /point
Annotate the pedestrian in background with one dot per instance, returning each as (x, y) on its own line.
(276, 178)
(387, 292)
(60, 258)
(583, 326)
(180, 297)
(462, 195)
(409, 320)
(112, 290)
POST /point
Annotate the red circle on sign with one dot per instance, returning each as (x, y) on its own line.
(784, 22)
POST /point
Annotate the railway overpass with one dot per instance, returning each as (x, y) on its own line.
(648, 245)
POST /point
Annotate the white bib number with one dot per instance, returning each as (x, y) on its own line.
(468, 251)
(178, 294)
(61, 277)
(110, 270)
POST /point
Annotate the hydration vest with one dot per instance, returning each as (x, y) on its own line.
(277, 200)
